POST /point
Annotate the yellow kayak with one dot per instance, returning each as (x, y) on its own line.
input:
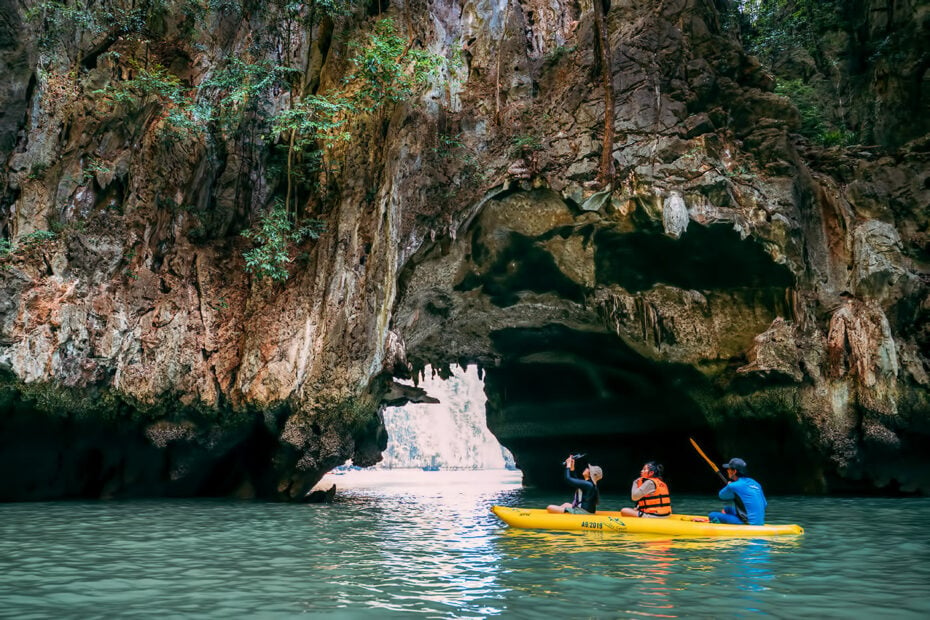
(673, 525)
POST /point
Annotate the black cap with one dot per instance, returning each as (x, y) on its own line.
(737, 464)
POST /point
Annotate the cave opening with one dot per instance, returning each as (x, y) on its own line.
(559, 391)
(448, 433)
(600, 333)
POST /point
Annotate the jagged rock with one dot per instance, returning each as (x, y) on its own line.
(138, 353)
(775, 352)
(321, 496)
(674, 215)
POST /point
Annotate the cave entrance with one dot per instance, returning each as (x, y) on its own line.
(559, 391)
(451, 434)
(600, 332)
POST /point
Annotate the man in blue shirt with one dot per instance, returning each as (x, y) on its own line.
(742, 490)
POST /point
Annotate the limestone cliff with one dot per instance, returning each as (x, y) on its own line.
(708, 273)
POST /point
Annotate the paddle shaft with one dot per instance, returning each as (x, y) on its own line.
(737, 500)
(709, 462)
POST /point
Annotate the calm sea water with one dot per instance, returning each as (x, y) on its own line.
(423, 544)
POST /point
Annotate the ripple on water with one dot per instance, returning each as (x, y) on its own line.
(436, 551)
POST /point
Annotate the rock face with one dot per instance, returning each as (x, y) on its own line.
(729, 283)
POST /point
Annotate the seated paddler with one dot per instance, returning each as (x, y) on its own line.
(650, 493)
(586, 493)
(745, 493)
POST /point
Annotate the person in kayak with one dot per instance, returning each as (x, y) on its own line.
(650, 494)
(586, 492)
(744, 488)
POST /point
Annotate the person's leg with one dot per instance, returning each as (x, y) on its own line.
(629, 512)
(723, 517)
(557, 509)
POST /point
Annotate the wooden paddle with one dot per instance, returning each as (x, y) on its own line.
(740, 507)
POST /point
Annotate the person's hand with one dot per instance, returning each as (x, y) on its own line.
(570, 462)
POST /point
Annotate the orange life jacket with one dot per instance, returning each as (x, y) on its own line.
(659, 502)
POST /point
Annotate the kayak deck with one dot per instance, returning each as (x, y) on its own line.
(607, 521)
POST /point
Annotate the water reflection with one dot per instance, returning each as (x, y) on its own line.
(645, 576)
(434, 546)
(429, 546)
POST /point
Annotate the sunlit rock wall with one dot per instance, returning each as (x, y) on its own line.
(769, 297)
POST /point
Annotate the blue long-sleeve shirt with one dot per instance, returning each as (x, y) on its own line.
(589, 492)
(753, 498)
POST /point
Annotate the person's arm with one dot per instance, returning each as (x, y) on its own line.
(727, 492)
(638, 492)
(578, 483)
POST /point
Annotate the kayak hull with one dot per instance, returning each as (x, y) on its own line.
(673, 525)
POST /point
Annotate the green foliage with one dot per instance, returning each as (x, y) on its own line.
(836, 137)
(814, 119)
(54, 19)
(183, 122)
(274, 237)
(806, 99)
(243, 86)
(776, 30)
(93, 168)
(151, 82)
(36, 238)
(154, 84)
(448, 144)
(774, 27)
(387, 68)
(271, 256)
(556, 54)
(314, 119)
(524, 145)
(26, 242)
(57, 20)
(334, 8)
(232, 8)
(37, 170)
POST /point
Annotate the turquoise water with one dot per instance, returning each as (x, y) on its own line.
(423, 544)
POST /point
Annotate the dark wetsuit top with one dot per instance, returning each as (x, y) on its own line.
(589, 493)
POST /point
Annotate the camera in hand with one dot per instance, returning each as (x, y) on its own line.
(581, 463)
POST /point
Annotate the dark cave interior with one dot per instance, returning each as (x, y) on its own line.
(560, 391)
